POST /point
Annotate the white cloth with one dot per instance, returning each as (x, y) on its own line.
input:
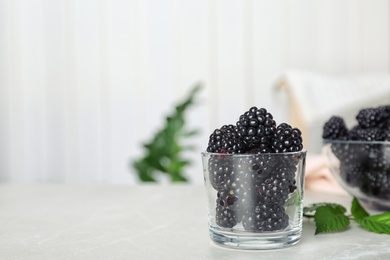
(318, 176)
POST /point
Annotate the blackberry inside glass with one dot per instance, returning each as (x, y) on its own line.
(252, 190)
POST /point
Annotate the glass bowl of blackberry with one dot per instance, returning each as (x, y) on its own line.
(359, 156)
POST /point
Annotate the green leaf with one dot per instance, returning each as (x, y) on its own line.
(294, 199)
(144, 172)
(178, 178)
(190, 133)
(312, 207)
(315, 206)
(164, 151)
(330, 218)
(379, 223)
(358, 212)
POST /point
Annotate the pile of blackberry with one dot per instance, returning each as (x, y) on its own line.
(365, 166)
(252, 190)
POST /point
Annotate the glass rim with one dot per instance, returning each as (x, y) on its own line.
(304, 151)
(330, 141)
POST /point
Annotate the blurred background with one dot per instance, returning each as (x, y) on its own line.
(84, 83)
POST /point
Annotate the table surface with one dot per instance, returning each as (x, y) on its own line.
(56, 221)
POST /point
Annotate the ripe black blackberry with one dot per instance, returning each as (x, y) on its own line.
(352, 173)
(377, 184)
(235, 185)
(256, 128)
(221, 169)
(386, 122)
(265, 217)
(367, 134)
(287, 139)
(226, 140)
(230, 199)
(225, 217)
(227, 199)
(341, 150)
(349, 152)
(257, 168)
(378, 157)
(373, 117)
(334, 128)
(277, 187)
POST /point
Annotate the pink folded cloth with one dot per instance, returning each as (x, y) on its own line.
(318, 176)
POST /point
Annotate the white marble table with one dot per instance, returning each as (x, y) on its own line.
(49, 221)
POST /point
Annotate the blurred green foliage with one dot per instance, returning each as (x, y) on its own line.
(164, 152)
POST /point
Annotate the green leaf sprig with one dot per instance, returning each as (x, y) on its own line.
(164, 152)
(331, 217)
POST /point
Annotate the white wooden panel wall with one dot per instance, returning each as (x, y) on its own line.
(83, 83)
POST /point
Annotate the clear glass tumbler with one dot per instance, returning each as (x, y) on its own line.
(255, 201)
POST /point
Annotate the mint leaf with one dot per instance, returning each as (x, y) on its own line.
(330, 218)
(379, 223)
(358, 212)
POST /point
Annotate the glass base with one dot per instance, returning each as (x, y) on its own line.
(255, 241)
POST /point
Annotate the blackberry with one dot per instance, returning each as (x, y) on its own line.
(276, 188)
(377, 183)
(226, 140)
(287, 139)
(265, 217)
(225, 217)
(230, 199)
(227, 199)
(234, 185)
(227, 180)
(256, 128)
(373, 117)
(352, 173)
(367, 134)
(341, 150)
(292, 187)
(258, 167)
(334, 128)
(221, 169)
(386, 122)
(379, 158)
(349, 152)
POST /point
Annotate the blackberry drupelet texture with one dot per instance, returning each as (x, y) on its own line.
(226, 140)
(378, 158)
(287, 139)
(377, 183)
(373, 117)
(256, 128)
(225, 217)
(367, 134)
(352, 173)
(277, 187)
(334, 128)
(221, 169)
(227, 199)
(258, 167)
(232, 200)
(265, 217)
